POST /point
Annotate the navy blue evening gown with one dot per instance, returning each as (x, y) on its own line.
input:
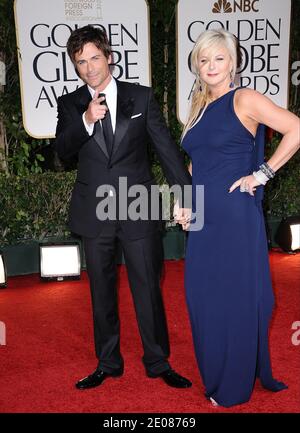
(227, 277)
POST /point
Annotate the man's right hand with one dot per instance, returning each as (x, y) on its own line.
(96, 111)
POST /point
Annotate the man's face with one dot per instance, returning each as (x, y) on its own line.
(93, 66)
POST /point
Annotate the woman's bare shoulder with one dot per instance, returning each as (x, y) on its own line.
(245, 93)
(249, 98)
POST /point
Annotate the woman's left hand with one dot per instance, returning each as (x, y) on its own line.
(246, 184)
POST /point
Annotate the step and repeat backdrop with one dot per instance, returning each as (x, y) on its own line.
(43, 27)
(46, 72)
(263, 29)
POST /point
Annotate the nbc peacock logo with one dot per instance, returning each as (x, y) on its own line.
(226, 7)
(222, 6)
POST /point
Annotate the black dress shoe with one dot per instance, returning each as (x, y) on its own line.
(172, 379)
(96, 378)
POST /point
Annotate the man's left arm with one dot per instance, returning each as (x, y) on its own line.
(168, 153)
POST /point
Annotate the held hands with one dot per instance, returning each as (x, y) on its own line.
(246, 184)
(95, 110)
(182, 216)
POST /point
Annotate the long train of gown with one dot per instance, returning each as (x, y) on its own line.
(227, 277)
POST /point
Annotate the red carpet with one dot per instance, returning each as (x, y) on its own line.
(49, 347)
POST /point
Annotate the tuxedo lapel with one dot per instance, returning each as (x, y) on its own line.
(83, 99)
(99, 138)
(125, 105)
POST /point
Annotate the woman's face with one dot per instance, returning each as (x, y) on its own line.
(214, 66)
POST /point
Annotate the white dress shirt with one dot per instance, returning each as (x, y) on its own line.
(111, 100)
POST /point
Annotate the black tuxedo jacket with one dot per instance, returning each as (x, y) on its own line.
(138, 120)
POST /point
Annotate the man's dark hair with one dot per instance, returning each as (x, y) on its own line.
(84, 35)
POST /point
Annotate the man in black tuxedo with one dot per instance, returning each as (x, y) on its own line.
(109, 135)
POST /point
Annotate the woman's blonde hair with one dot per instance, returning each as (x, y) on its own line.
(210, 39)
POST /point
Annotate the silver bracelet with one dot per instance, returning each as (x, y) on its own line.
(267, 170)
(260, 177)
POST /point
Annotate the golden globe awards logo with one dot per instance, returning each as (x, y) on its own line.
(224, 6)
(262, 28)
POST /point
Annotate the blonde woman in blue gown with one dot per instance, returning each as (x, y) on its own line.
(227, 276)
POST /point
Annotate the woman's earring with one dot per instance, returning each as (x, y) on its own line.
(231, 85)
(198, 78)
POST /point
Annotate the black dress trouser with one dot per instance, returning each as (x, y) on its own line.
(143, 258)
